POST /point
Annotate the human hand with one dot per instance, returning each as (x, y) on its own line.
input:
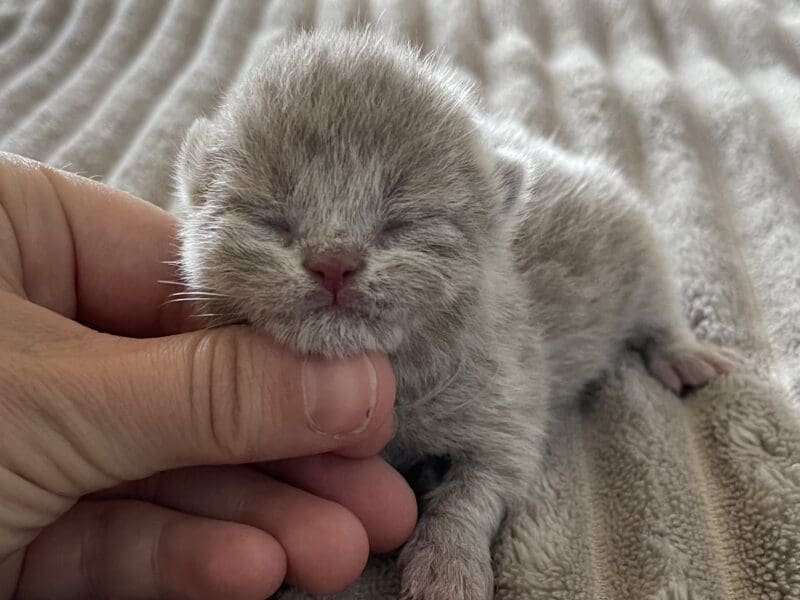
(109, 400)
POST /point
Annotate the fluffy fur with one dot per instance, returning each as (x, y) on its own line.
(501, 275)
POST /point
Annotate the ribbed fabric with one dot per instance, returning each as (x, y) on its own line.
(644, 496)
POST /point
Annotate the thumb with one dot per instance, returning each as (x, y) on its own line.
(218, 396)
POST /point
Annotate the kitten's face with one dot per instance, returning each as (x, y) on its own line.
(365, 168)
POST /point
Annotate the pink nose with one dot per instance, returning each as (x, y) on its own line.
(333, 271)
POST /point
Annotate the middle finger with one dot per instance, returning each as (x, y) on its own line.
(326, 545)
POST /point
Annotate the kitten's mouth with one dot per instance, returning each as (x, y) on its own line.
(346, 302)
(343, 311)
(314, 324)
(340, 330)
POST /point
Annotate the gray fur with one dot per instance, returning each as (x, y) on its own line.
(510, 276)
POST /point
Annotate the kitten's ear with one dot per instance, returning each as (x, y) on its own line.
(194, 165)
(508, 173)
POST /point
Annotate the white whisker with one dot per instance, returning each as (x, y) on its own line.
(170, 282)
(200, 299)
(200, 293)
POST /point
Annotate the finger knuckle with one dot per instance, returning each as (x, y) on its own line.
(224, 390)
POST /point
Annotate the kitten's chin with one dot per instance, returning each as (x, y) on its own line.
(335, 334)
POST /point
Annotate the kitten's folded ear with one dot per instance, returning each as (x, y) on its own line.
(194, 165)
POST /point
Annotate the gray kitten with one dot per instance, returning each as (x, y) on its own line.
(350, 195)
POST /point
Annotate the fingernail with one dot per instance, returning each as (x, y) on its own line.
(339, 395)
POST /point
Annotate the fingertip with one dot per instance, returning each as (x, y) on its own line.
(386, 383)
(374, 443)
(236, 561)
(254, 567)
(334, 557)
(401, 504)
(346, 397)
(381, 426)
(369, 488)
(258, 400)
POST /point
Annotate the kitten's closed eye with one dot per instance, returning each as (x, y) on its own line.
(396, 226)
(277, 224)
(402, 222)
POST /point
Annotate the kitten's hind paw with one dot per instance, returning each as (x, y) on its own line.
(689, 364)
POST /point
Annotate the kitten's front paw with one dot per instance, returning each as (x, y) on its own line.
(689, 364)
(438, 566)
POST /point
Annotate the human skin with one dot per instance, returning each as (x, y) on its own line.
(123, 426)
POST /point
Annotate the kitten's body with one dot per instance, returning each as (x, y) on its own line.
(517, 274)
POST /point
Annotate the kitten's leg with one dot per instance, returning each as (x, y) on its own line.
(448, 557)
(600, 280)
(671, 352)
(670, 349)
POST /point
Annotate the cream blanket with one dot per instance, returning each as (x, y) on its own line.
(696, 102)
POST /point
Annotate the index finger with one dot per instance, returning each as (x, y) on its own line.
(123, 250)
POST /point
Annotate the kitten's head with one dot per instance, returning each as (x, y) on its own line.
(340, 199)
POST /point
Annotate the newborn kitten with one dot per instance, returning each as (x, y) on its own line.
(349, 195)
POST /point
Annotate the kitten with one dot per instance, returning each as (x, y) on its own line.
(350, 195)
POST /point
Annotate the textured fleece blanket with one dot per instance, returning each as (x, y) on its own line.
(696, 102)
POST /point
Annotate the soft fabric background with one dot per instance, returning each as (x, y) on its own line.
(696, 102)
